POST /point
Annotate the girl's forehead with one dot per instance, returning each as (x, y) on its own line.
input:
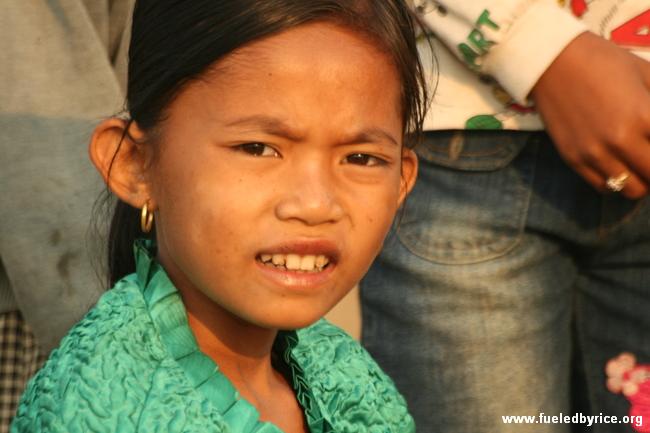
(317, 74)
(320, 44)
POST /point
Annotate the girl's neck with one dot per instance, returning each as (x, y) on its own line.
(234, 344)
(243, 353)
(223, 336)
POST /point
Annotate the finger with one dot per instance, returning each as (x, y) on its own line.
(637, 158)
(609, 166)
(633, 187)
(643, 150)
(644, 67)
(633, 143)
(592, 177)
(596, 164)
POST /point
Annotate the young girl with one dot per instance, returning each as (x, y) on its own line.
(264, 155)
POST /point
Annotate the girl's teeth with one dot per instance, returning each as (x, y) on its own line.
(295, 262)
(307, 263)
(321, 261)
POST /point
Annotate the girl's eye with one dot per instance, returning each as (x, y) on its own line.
(364, 159)
(258, 149)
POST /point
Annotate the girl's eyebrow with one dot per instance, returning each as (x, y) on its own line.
(269, 125)
(277, 127)
(371, 135)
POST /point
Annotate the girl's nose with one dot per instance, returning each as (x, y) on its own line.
(311, 198)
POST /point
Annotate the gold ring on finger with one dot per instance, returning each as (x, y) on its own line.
(617, 183)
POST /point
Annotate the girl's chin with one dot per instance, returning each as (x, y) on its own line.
(294, 324)
(290, 321)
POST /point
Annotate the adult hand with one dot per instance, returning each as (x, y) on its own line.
(595, 102)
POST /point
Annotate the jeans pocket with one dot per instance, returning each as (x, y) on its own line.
(471, 198)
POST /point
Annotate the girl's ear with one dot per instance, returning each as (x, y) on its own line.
(117, 152)
(409, 173)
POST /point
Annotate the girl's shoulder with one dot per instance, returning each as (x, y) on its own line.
(104, 362)
(112, 373)
(353, 391)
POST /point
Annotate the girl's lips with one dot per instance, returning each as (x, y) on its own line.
(304, 247)
(296, 280)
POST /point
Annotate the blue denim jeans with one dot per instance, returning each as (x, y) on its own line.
(504, 273)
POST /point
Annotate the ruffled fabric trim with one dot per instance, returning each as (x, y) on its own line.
(286, 343)
(348, 383)
(168, 314)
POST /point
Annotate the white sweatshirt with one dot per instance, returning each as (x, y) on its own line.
(491, 53)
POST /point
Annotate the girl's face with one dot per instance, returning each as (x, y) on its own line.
(276, 177)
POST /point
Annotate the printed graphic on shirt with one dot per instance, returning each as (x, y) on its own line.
(476, 45)
(478, 42)
(624, 22)
(635, 33)
(484, 121)
(578, 7)
(499, 120)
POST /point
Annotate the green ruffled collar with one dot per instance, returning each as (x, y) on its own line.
(168, 313)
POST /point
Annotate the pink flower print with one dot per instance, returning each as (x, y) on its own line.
(626, 377)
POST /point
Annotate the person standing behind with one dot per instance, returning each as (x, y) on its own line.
(521, 253)
(58, 78)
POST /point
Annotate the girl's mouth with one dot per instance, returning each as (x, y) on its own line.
(307, 263)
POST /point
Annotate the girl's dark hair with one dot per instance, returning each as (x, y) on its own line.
(174, 41)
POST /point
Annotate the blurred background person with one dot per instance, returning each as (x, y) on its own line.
(59, 75)
(522, 258)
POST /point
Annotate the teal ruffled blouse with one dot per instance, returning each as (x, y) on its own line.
(133, 365)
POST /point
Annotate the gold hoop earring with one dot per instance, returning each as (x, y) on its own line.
(146, 218)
